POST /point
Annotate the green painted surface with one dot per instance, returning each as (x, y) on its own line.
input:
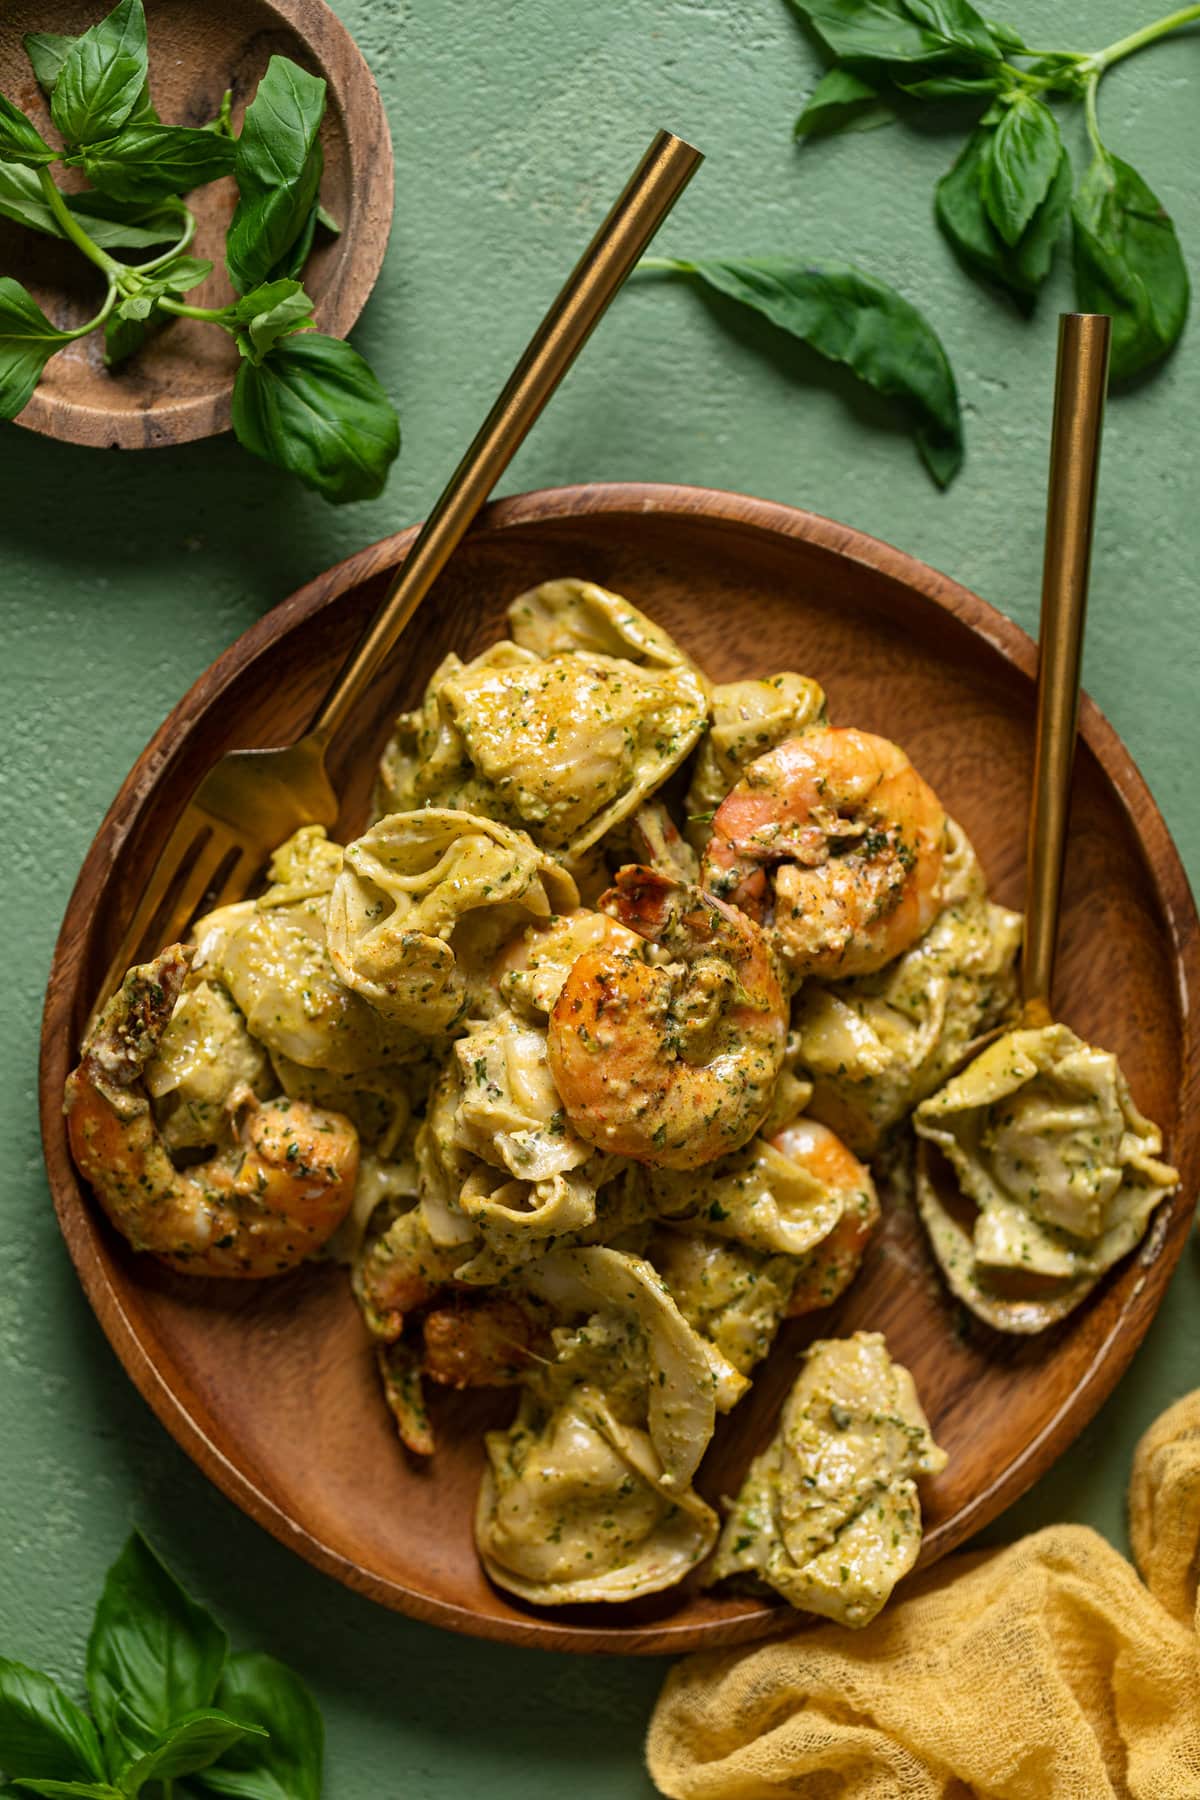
(123, 575)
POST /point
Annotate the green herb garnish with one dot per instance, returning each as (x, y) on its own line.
(302, 400)
(1004, 202)
(167, 1702)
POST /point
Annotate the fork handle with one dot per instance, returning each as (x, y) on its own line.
(652, 190)
(1081, 384)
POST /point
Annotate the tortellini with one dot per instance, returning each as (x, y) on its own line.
(873, 1045)
(564, 745)
(421, 905)
(205, 1056)
(829, 1514)
(498, 1159)
(1045, 1141)
(748, 719)
(570, 1510)
(568, 614)
(588, 1495)
(272, 957)
(735, 1297)
(757, 1195)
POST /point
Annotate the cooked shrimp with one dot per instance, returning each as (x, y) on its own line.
(672, 1065)
(427, 1323)
(487, 1340)
(256, 1208)
(401, 1269)
(834, 839)
(829, 1268)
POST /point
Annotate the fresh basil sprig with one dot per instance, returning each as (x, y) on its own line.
(853, 318)
(171, 1710)
(317, 412)
(1004, 202)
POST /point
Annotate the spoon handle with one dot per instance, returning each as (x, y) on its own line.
(1079, 392)
(648, 197)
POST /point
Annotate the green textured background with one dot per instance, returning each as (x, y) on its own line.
(515, 121)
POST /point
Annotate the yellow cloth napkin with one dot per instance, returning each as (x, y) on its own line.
(1043, 1671)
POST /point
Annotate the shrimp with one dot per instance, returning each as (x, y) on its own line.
(834, 839)
(670, 1065)
(459, 1337)
(256, 1208)
(830, 1266)
(487, 1340)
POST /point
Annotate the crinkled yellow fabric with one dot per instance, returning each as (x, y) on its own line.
(1044, 1671)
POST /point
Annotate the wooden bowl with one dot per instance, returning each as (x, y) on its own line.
(271, 1388)
(178, 386)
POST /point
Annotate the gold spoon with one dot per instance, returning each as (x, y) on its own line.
(1079, 394)
(251, 800)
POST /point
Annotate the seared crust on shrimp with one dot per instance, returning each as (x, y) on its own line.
(834, 839)
(827, 1270)
(256, 1208)
(671, 1065)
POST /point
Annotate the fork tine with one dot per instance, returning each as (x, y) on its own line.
(234, 875)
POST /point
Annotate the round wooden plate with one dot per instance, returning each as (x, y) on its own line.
(178, 386)
(271, 1388)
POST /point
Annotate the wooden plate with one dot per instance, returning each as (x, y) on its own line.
(178, 386)
(271, 1388)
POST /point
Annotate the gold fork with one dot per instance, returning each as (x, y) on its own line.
(251, 800)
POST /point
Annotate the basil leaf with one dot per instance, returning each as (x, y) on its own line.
(190, 1744)
(47, 52)
(1128, 263)
(327, 220)
(287, 1764)
(42, 1731)
(957, 22)
(83, 1790)
(1020, 161)
(1021, 267)
(840, 101)
(124, 337)
(154, 1654)
(1006, 38)
(279, 165)
(885, 31)
(852, 318)
(27, 342)
(111, 224)
(273, 311)
(102, 76)
(148, 162)
(952, 87)
(314, 408)
(20, 139)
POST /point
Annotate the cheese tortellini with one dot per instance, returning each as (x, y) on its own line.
(498, 1161)
(1044, 1140)
(829, 1514)
(874, 1045)
(205, 1058)
(588, 1495)
(272, 958)
(423, 901)
(564, 745)
(748, 719)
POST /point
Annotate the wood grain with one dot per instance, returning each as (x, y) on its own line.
(178, 386)
(272, 1390)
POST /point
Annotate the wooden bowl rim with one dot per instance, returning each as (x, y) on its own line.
(1157, 1258)
(208, 414)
